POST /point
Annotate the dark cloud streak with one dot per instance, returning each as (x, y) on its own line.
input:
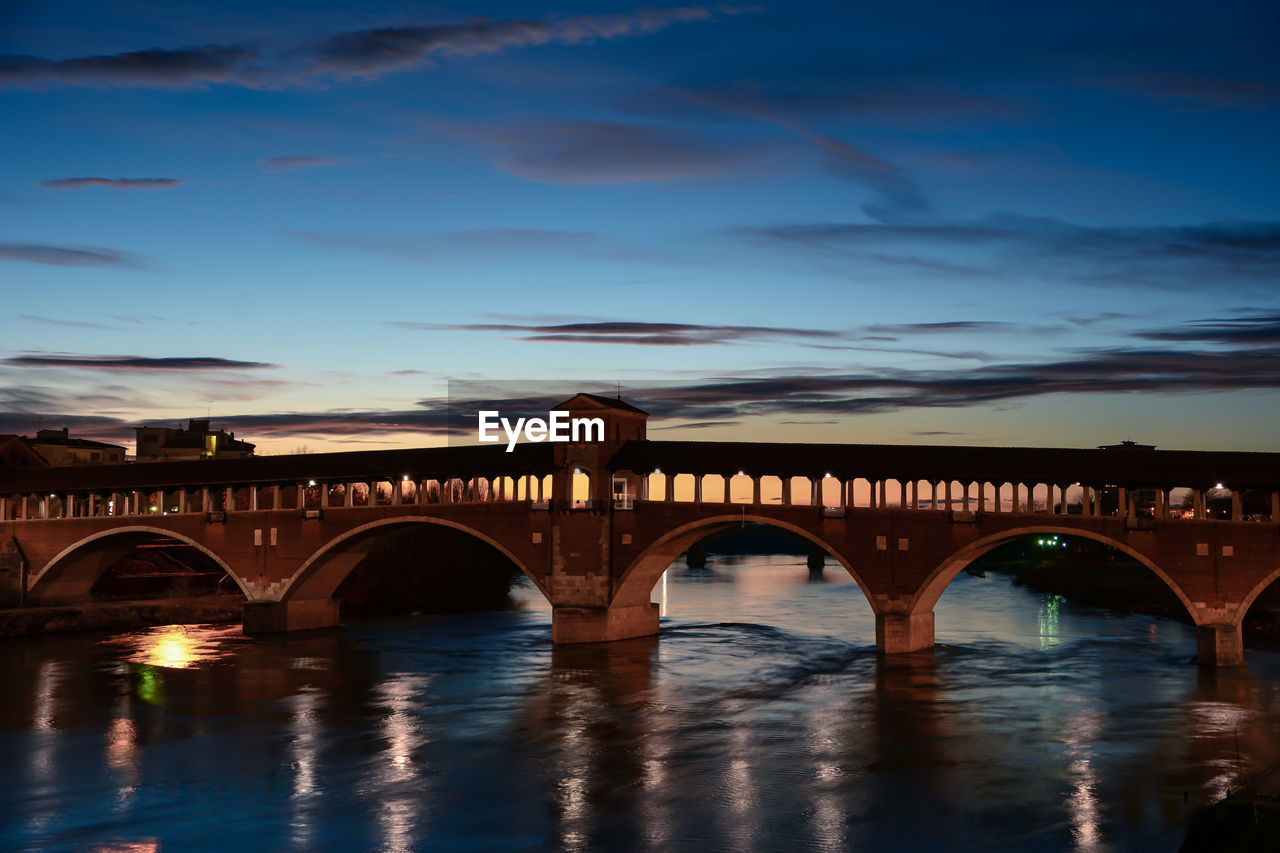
(358, 54)
(294, 163)
(133, 362)
(112, 183)
(1238, 256)
(62, 256)
(190, 66)
(633, 333)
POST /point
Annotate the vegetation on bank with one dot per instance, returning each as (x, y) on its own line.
(120, 615)
(1089, 572)
(1244, 822)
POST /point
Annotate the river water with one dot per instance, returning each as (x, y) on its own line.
(761, 720)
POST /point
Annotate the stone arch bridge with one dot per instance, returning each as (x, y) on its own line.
(595, 525)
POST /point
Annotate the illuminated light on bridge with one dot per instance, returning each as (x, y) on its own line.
(594, 533)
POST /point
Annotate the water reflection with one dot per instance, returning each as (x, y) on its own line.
(122, 745)
(826, 754)
(399, 786)
(43, 746)
(591, 702)
(176, 646)
(742, 808)
(761, 720)
(1047, 621)
(1082, 731)
(306, 729)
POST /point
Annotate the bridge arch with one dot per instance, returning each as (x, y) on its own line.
(323, 572)
(940, 578)
(1258, 589)
(72, 572)
(640, 576)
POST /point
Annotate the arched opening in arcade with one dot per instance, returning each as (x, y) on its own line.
(1260, 616)
(1058, 589)
(164, 568)
(411, 566)
(137, 564)
(742, 569)
(429, 569)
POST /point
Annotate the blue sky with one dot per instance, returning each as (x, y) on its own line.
(983, 223)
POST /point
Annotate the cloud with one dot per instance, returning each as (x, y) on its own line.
(631, 333)
(946, 328)
(1102, 371)
(133, 362)
(824, 90)
(112, 183)
(62, 256)
(1087, 320)
(595, 153)
(1194, 91)
(1263, 329)
(54, 321)
(93, 427)
(432, 245)
(294, 163)
(190, 66)
(357, 54)
(375, 52)
(798, 395)
(898, 195)
(635, 333)
(433, 421)
(1243, 256)
(697, 425)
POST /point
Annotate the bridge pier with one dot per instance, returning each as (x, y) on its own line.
(271, 617)
(1219, 645)
(897, 633)
(603, 624)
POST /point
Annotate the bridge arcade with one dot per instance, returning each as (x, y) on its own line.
(594, 525)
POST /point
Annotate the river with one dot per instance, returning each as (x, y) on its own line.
(761, 720)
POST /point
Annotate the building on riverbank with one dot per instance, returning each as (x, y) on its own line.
(197, 441)
(17, 452)
(60, 449)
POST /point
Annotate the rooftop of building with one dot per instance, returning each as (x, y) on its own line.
(61, 438)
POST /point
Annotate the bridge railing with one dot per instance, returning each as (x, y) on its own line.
(309, 498)
(1168, 504)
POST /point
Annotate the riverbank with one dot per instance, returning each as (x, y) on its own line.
(1244, 822)
(119, 615)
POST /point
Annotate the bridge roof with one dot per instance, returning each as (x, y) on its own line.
(354, 466)
(1125, 467)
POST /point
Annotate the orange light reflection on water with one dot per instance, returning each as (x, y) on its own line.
(177, 646)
